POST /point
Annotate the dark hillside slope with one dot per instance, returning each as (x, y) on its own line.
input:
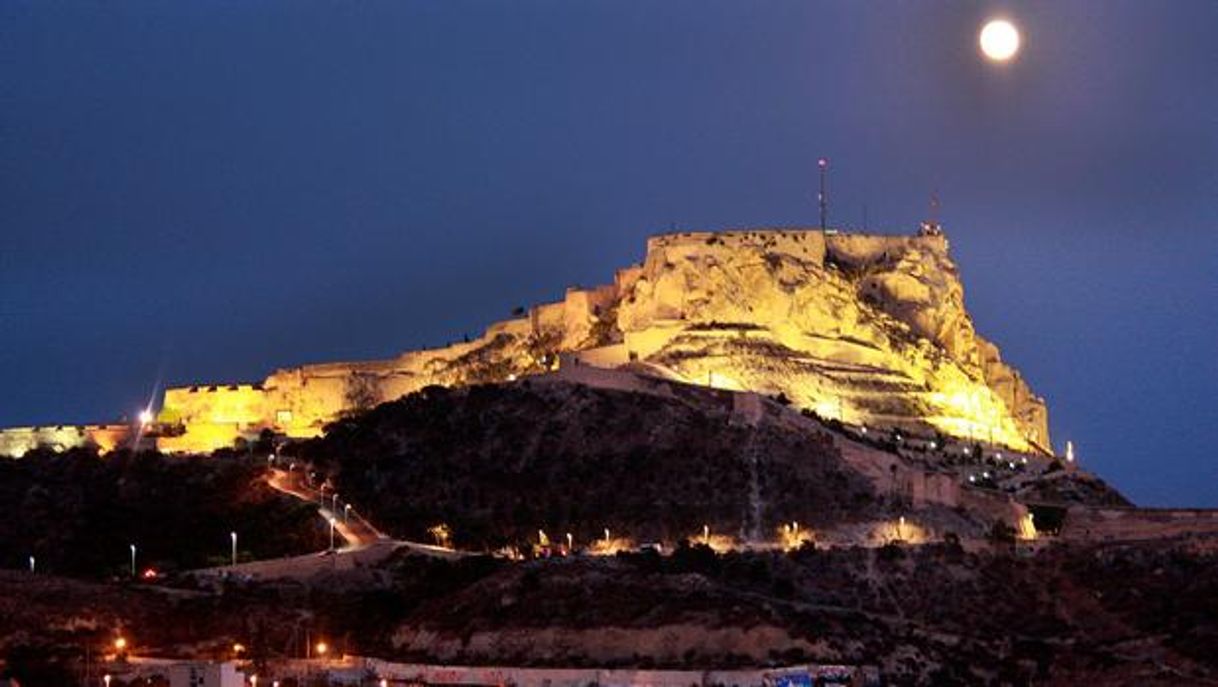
(78, 512)
(498, 463)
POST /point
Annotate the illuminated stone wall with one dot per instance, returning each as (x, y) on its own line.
(869, 329)
(16, 441)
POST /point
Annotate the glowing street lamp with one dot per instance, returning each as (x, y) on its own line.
(132, 560)
(570, 542)
(321, 649)
(106, 679)
(233, 536)
(145, 417)
(332, 521)
(347, 513)
(31, 564)
(120, 644)
(253, 681)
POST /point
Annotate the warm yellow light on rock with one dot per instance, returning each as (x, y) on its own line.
(999, 40)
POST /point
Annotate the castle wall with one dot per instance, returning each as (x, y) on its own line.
(803, 243)
(17, 441)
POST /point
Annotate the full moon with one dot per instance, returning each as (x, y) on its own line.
(999, 40)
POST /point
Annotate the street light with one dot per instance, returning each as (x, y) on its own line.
(145, 417)
(332, 521)
(233, 536)
(31, 564)
(346, 512)
(253, 681)
(120, 644)
(133, 560)
(106, 679)
(321, 649)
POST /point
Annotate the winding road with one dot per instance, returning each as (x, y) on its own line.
(362, 545)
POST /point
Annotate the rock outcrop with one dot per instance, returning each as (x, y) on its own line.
(868, 329)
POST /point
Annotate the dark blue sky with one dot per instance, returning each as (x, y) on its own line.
(209, 190)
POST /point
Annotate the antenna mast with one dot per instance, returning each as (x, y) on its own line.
(823, 197)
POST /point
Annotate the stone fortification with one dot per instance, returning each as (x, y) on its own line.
(868, 329)
(16, 441)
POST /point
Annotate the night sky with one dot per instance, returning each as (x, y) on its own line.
(205, 191)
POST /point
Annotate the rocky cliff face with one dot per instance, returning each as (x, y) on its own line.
(868, 329)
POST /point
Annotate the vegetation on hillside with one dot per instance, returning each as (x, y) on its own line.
(498, 463)
(78, 513)
(933, 615)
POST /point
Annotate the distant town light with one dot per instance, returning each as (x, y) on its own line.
(145, 417)
(321, 648)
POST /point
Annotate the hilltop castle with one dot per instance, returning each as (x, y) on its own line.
(868, 329)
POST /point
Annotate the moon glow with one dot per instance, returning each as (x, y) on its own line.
(999, 40)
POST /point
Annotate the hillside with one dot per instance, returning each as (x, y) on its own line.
(930, 615)
(933, 615)
(77, 512)
(497, 463)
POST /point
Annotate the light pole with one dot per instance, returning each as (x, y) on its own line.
(31, 564)
(133, 560)
(347, 513)
(334, 502)
(233, 536)
(106, 679)
(332, 521)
